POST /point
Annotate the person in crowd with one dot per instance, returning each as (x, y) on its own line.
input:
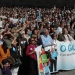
(54, 49)
(27, 33)
(22, 43)
(15, 54)
(54, 37)
(66, 35)
(35, 38)
(46, 39)
(4, 51)
(1, 39)
(36, 33)
(4, 54)
(33, 59)
(73, 28)
(71, 33)
(7, 38)
(52, 29)
(60, 35)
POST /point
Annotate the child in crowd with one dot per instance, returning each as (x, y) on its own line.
(6, 67)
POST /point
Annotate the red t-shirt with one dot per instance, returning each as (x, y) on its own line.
(30, 48)
(43, 52)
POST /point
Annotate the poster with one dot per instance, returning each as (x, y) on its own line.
(46, 60)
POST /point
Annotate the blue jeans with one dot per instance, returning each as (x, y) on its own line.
(47, 73)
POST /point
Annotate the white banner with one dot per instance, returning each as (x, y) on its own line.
(66, 55)
(51, 60)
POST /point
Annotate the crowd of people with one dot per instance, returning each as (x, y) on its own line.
(23, 29)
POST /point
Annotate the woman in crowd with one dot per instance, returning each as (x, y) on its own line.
(32, 55)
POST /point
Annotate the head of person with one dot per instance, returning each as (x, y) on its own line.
(54, 36)
(35, 31)
(42, 49)
(32, 41)
(32, 27)
(22, 34)
(35, 37)
(14, 43)
(71, 33)
(62, 24)
(27, 31)
(65, 31)
(68, 27)
(6, 63)
(49, 29)
(5, 47)
(46, 32)
(45, 64)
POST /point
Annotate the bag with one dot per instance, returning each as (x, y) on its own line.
(17, 63)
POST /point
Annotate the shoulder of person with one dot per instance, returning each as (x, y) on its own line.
(8, 49)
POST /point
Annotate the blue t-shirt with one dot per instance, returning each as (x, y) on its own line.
(46, 40)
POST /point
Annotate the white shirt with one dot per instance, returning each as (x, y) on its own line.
(27, 37)
(55, 42)
(68, 37)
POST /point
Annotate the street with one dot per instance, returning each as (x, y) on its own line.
(71, 72)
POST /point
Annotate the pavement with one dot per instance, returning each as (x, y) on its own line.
(15, 71)
(71, 72)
